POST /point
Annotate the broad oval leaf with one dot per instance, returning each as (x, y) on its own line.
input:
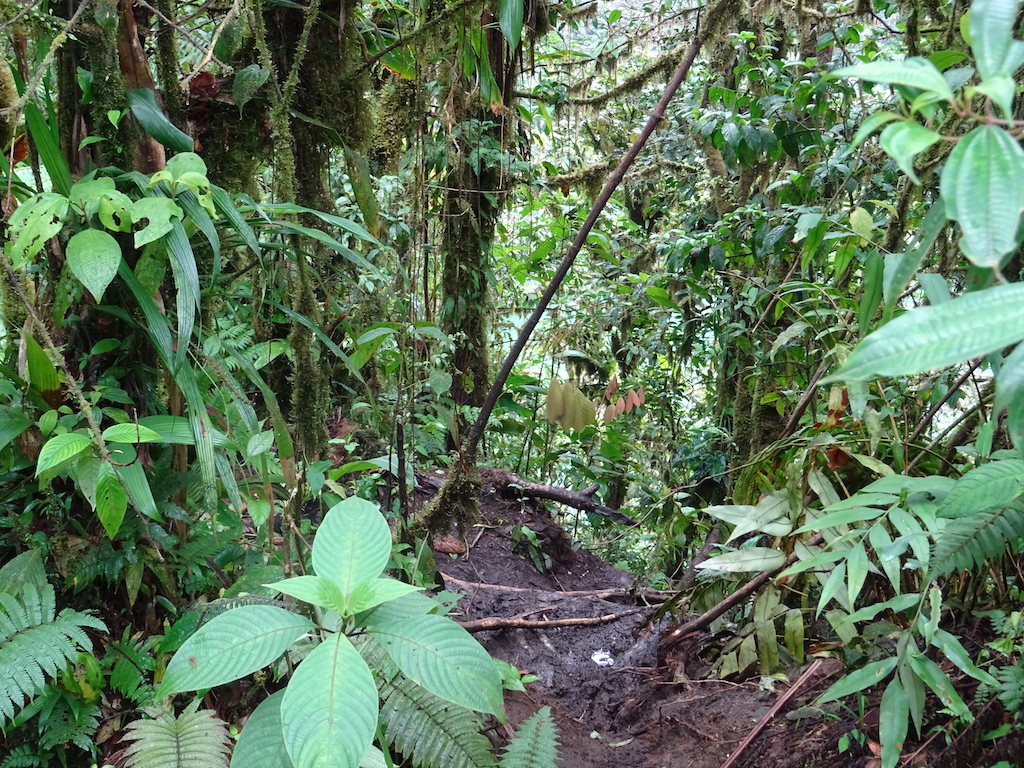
(93, 257)
(37, 220)
(771, 515)
(329, 710)
(158, 211)
(930, 337)
(233, 645)
(247, 82)
(905, 141)
(915, 71)
(992, 24)
(752, 559)
(60, 448)
(353, 544)
(131, 433)
(981, 189)
(444, 658)
(261, 742)
(864, 677)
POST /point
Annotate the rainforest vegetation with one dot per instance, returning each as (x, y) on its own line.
(740, 282)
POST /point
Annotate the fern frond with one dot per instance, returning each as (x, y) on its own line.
(197, 738)
(966, 543)
(1011, 687)
(535, 744)
(132, 663)
(430, 731)
(68, 721)
(22, 756)
(35, 644)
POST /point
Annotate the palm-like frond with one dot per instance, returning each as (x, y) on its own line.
(197, 738)
(35, 643)
(966, 543)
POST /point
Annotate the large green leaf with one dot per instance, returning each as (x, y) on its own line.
(61, 448)
(152, 118)
(751, 559)
(930, 337)
(111, 499)
(12, 423)
(939, 682)
(134, 479)
(45, 135)
(865, 677)
(247, 82)
(232, 645)
(329, 710)
(178, 430)
(995, 484)
(93, 257)
(905, 141)
(131, 433)
(900, 267)
(261, 742)
(510, 21)
(353, 544)
(916, 71)
(158, 212)
(37, 220)
(441, 656)
(313, 589)
(771, 515)
(980, 185)
(893, 721)
(992, 24)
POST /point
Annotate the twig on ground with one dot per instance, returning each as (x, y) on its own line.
(516, 622)
(651, 595)
(770, 715)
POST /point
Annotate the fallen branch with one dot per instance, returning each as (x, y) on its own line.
(732, 600)
(651, 595)
(770, 715)
(582, 500)
(517, 622)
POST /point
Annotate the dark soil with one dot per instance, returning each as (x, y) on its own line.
(616, 701)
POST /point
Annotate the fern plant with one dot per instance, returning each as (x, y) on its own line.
(196, 738)
(36, 642)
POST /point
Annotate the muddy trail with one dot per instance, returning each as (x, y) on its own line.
(619, 699)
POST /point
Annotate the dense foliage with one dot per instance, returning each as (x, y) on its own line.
(263, 258)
